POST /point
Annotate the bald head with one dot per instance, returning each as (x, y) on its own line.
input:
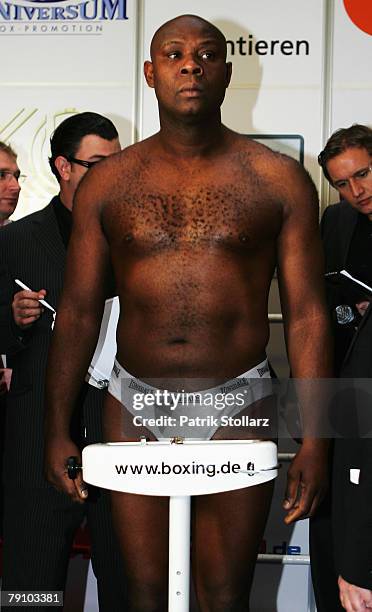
(169, 30)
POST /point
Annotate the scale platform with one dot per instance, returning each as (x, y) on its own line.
(179, 469)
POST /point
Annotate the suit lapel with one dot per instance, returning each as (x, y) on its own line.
(367, 315)
(45, 230)
(347, 221)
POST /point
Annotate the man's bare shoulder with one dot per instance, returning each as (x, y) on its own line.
(288, 178)
(136, 153)
(103, 182)
(263, 157)
(128, 161)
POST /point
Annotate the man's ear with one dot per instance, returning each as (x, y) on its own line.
(148, 70)
(228, 73)
(63, 166)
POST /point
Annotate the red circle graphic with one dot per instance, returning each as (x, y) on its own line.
(360, 13)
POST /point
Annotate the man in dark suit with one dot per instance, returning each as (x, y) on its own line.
(354, 562)
(347, 237)
(40, 522)
(10, 178)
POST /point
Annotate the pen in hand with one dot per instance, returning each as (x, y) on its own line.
(43, 302)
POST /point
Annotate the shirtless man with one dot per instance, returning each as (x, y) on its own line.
(192, 222)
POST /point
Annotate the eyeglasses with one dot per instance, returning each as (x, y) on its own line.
(82, 162)
(6, 176)
(360, 177)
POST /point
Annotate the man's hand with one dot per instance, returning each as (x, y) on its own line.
(307, 480)
(362, 307)
(27, 308)
(5, 377)
(354, 598)
(57, 451)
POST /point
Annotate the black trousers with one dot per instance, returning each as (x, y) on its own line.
(2, 438)
(323, 566)
(39, 525)
(327, 527)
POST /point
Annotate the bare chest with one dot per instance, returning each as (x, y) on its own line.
(171, 215)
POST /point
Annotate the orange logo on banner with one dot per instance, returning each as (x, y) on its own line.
(360, 13)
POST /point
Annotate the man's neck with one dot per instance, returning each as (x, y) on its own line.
(191, 138)
(65, 199)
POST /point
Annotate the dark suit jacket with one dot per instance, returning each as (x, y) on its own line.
(337, 228)
(32, 250)
(351, 504)
(355, 564)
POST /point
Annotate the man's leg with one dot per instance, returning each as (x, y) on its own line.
(227, 532)
(141, 525)
(228, 527)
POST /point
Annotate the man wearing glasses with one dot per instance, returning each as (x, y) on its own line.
(344, 566)
(10, 179)
(40, 522)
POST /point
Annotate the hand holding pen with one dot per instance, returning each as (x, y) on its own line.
(28, 305)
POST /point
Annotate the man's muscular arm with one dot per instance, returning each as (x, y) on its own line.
(306, 326)
(76, 329)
